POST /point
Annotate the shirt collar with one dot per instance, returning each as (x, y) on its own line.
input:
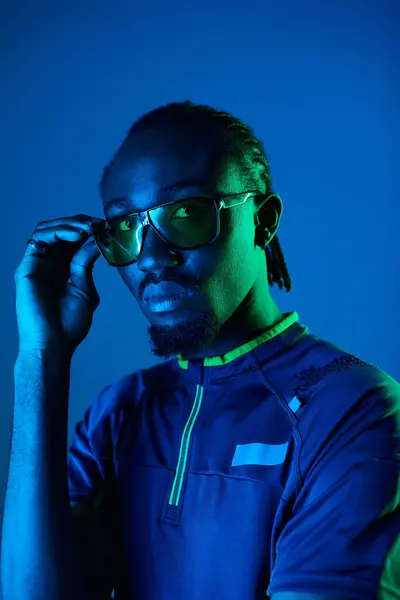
(238, 360)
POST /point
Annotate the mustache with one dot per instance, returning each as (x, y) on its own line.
(190, 283)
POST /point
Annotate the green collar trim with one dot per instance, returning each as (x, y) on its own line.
(217, 361)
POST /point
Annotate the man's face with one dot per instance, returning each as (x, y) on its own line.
(222, 273)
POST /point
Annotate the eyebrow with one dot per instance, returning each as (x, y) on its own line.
(165, 192)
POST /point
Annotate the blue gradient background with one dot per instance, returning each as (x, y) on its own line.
(316, 80)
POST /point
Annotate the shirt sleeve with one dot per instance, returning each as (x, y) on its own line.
(342, 535)
(90, 456)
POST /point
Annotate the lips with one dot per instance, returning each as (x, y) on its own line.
(159, 291)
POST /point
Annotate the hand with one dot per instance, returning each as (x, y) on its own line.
(55, 292)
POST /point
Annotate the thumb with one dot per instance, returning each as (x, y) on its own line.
(81, 270)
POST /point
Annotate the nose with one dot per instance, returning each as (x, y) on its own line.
(155, 253)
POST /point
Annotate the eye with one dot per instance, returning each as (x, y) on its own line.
(126, 225)
(183, 212)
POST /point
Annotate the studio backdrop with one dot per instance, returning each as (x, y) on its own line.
(316, 80)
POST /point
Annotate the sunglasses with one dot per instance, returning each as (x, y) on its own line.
(183, 224)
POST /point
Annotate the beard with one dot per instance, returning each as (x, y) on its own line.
(187, 339)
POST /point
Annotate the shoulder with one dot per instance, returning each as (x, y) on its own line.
(116, 402)
(347, 405)
(330, 379)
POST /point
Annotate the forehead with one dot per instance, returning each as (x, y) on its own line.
(154, 159)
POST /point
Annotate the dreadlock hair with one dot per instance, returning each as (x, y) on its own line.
(240, 144)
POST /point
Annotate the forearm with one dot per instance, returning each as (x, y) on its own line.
(39, 557)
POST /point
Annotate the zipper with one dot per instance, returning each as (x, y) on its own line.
(184, 447)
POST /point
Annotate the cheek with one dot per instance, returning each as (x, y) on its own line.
(232, 271)
(238, 251)
(128, 277)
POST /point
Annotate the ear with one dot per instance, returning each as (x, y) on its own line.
(267, 218)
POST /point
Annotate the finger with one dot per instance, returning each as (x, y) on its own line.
(81, 271)
(64, 228)
(85, 257)
(34, 262)
(77, 221)
(53, 235)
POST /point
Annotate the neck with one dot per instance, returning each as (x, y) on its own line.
(256, 314)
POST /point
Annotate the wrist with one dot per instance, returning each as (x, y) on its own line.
(54, 353)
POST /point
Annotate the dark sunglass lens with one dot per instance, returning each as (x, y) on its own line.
(120, 244)
(184, 224)
(187, 223)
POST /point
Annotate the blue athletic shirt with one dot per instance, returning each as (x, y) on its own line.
(272, 468)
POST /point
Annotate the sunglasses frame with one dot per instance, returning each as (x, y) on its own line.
(220, 203)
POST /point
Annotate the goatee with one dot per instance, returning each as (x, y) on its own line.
(187, 338)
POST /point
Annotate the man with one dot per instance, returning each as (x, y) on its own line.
(262, 459)
(258, 460)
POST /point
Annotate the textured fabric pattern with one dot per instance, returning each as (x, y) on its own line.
(311, 504)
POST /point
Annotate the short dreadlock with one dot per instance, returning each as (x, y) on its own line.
(241, 144)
